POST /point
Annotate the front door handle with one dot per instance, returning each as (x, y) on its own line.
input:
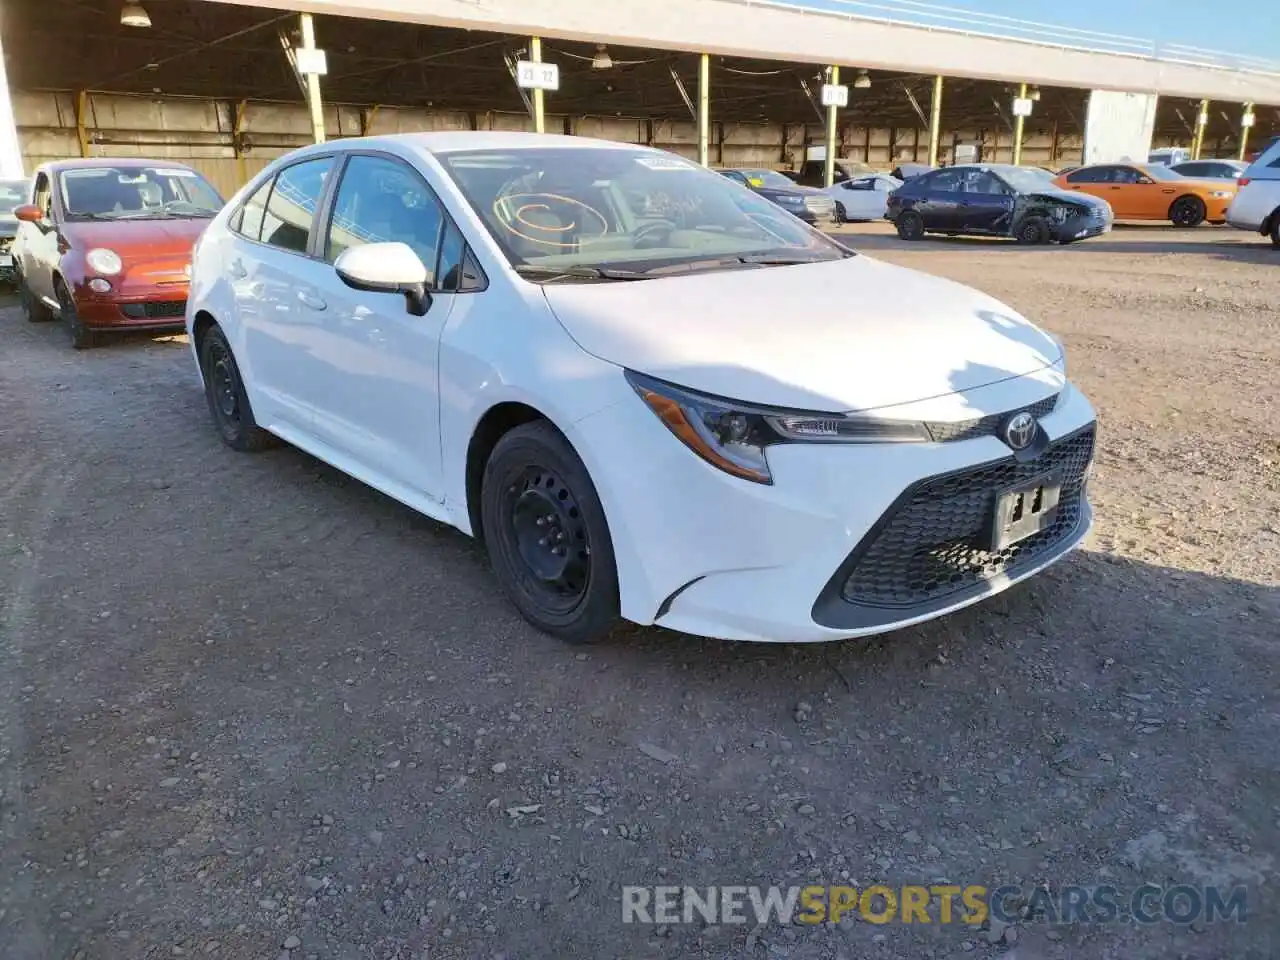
(308, 299)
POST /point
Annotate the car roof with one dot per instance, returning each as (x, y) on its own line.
(448, 141)
(118, 162)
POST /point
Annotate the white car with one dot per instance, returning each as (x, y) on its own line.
(862, 198)
(1256, 206)
(650, 391)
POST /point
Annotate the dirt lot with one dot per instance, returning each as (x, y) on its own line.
(251, 709)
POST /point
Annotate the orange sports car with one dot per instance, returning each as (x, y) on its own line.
(1149, 191)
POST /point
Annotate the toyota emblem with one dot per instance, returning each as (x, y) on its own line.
(1020, 430)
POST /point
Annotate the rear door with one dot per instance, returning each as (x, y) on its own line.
(939, 200)
(273, 274)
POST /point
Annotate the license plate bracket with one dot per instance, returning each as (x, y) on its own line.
(1023, 510)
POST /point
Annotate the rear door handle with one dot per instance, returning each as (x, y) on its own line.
(308, 299)
(236, 270)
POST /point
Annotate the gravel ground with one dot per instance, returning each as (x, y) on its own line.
(250, 708)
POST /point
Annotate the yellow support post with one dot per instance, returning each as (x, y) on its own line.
(313, 81)
(237, 129)
(1246, 125)
(82, 119)
(1202, 121)
(366, 119)
(1019, 122)
(829, 171)
(704, 110)
(935, 121)
(539, 101)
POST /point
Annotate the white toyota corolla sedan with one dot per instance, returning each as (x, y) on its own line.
(654, 394)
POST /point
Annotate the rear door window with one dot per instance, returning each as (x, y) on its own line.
(291, 208)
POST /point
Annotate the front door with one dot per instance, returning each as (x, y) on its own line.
(37, 250)
(377, 401)
(987, 205)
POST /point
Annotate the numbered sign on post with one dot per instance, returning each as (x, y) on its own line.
(835, 95)
(537, 76)
(1022, 107)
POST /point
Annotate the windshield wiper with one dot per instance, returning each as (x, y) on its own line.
(776, 260)
(552, 274)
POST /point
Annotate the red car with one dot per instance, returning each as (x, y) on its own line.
(106, 244)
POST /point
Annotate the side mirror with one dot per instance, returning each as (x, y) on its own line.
(28, 213)
(386, 268)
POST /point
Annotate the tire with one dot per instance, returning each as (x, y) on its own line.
(1034, 230)
(535, 494)
(910, 225)
(1275, 229)
(82, 338)
(840, 214)
(1187, 212)
(228, 403)
(37, 310)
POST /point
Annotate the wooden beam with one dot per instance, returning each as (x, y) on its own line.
(237, 140)
(82, 120)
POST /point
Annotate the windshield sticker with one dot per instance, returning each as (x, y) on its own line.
(664, 163)
(755, 181)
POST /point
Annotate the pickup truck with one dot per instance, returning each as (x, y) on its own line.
(814, 172)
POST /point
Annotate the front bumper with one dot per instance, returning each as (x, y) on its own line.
(163, 309)
(707, 554)
(1082, 226)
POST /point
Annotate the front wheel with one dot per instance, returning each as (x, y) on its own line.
(910, 225)
(1034, 230)
(1275, 229)
(840, 214)
(547, 536)
(82, 338)
(1187, 212)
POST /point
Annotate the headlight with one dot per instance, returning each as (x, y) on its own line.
(734, 436)
(1220, 194)
(104, 261)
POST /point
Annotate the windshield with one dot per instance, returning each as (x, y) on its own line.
(13, 193)
(137, 193)
(596, 207)
(1026, 179)
(768, 178)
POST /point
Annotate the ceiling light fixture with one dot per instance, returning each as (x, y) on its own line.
(134, 15)
(602, 60)
(1034, 94)
(862, 81)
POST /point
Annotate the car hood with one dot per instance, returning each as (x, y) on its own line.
(136, 238)
(1068, 196)
(846, 335)
(796, 191)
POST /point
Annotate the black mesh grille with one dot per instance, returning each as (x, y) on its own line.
(931, 543)
(158, 310)
(986, 426)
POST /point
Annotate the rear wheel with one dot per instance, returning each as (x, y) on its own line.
(82, 338)
(1275, 229)
(1187, 212)
(547, 536)
(228, 402)
(840, 214)
(1034, 230)
(910, 225)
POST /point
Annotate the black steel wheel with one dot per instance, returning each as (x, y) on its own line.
(37, 310)
(547, 536)
(1034, 230)
(82, 338)
(910, 225)
(1275, 229)
(228, 402)
(840, 214)
(1187, 212)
